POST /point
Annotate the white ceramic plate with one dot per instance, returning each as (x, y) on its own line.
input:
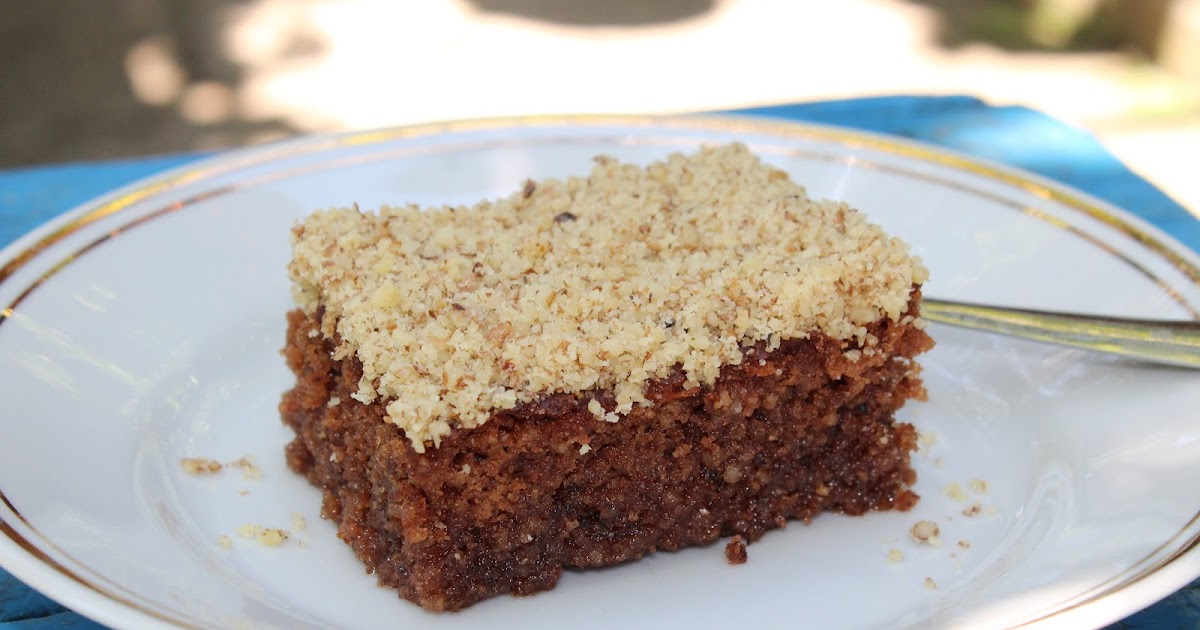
(145, 327)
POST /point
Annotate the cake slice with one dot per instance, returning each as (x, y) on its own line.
(591, 370)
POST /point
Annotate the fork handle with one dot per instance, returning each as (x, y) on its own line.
(1173, 342)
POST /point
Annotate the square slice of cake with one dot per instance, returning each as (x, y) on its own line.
(590, 370)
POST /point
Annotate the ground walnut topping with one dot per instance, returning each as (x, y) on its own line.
(602, 282)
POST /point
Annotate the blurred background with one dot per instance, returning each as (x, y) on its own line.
(98, 79)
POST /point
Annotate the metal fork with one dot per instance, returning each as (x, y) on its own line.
(1169, 342)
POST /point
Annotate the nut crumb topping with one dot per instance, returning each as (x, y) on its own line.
(594, 283)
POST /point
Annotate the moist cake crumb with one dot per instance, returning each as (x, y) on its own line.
(895, 556)
(973, 509)
(930, 584)
(979, 486)
(954, 491)
(224, 542)
(735, 551)
(457, 312)
(964, 544)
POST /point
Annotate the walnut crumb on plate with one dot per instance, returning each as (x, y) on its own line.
(200, 465)
(271, 537)
(265, 536)
(249, 530)
(926, 532)
(955, 492)
(249, 469)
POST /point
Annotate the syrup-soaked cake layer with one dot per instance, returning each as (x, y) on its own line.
(606, 283)
(503, 508)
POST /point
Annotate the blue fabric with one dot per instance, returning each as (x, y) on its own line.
(22, 608)
(31, 196)
(1016, 136)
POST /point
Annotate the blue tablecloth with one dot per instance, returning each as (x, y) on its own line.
(1013, 135)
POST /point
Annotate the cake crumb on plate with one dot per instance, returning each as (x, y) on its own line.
(735, 551)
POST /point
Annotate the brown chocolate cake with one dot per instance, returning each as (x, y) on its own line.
(591, 370)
